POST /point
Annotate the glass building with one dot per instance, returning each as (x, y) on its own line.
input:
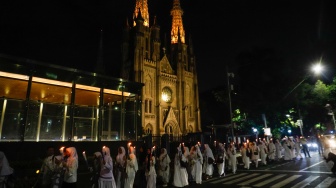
(44, 102)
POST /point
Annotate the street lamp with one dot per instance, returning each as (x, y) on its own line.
(316, 70)
(255, 132)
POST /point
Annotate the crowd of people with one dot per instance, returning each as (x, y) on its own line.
(205, 161)
(190, 164)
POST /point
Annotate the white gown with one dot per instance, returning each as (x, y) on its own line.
(131, 169)
(180, 173)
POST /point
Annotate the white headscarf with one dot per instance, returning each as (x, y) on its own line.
(120, 156)
(106, 151)
(199, 153)
(208, 152)
(6, 169)
(73, 158)
(186, 152)
(133, 157)
(164, 154)
(222, 148)
(97, 154)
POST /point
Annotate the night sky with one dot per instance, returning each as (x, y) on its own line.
(66, 32)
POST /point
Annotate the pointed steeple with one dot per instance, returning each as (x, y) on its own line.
(155, 30)
(141, 7)
(177, 30)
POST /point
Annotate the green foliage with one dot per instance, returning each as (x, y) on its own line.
(306, 102)
(276, 133)
(320, 127)
(321, 92)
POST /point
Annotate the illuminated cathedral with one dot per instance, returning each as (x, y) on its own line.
(170, 99)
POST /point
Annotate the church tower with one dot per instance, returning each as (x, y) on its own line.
(170, 101)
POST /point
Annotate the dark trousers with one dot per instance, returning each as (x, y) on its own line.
(305, 150)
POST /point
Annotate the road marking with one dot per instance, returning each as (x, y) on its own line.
(241, 179)
(306, 181)
(255, 179)
(311, 166)
(314, 172)
(326, 182)
(228, 178)
(269, 180)
(286, 181)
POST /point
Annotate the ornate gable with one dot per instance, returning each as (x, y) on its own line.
(165, 66)
(171, 119)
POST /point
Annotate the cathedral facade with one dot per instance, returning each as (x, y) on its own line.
(170, 98)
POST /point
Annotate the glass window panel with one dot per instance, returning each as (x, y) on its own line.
(14, 110)
(111, 122)
(50, 93)
(88, 98)
(32, 121)
(130, 119)
(52, 121)
(111, 118)
(13, 88)
(85, 123)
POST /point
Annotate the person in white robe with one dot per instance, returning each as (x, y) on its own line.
(70, 165)
(106, 178)
(192, 162)
(198, 165)
(121, 167)
(150, 169)
(291, 146)
(245, 155)
(298, 148)
(209, 159)
(164, 167)
(287, 153)
(131, 167)
(186, 154)
(271, 150)
(248, 156)
(263, 152)
(278, 150)
(180, 172)
(231, 151)
(255, 153)
(221, 154)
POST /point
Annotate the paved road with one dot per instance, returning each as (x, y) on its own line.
(305, 173)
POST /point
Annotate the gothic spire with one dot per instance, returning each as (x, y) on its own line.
(141, 6)
(177, 30)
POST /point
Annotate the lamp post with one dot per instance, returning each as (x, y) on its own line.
(316, 69)
(300, 124)
(230, 74)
